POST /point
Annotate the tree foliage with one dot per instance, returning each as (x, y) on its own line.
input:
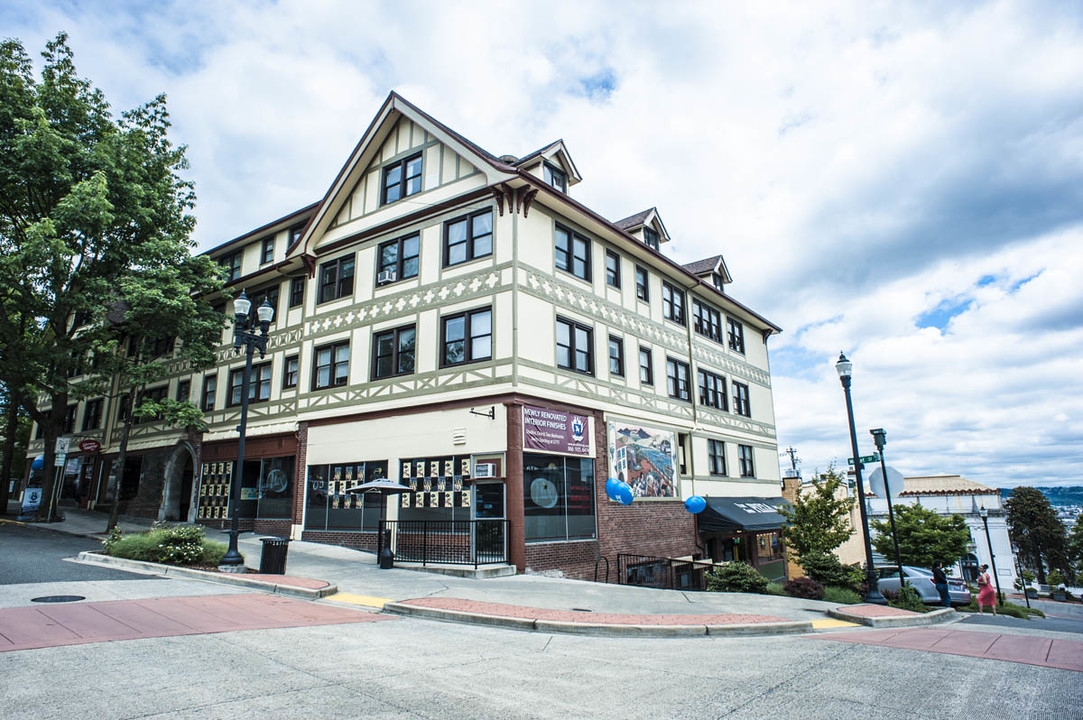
(924, 536)
(818, 520)
(1036, 530)
(1075, 546)
(94, 215)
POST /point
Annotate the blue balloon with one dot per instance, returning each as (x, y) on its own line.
(624, 494)
(695, 504)
(611, 486)
(39, 463)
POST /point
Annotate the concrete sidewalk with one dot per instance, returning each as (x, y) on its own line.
(524, 601)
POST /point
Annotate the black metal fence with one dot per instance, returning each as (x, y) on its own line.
(661, 572)
(450, 542)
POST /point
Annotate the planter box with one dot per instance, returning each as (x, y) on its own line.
(1060, 596)
(1032, 593)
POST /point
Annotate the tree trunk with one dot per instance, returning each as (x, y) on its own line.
(53, 429)
(11, 429)
(122, 457)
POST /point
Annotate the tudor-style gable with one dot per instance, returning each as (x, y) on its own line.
(406, 161)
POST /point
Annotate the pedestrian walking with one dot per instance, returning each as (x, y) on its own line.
(986, 594)
(940, 580)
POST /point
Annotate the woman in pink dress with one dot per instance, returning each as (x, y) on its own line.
(986, 593)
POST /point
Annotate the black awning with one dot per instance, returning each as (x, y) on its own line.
(741, 514)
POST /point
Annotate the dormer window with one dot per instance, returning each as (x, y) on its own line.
(650, 238)
(716, 280)
(556, 177)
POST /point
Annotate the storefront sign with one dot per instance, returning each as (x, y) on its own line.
(555, 431)
(31, 500)
(90, 446)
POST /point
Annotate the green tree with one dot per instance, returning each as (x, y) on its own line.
(1075, 546)
(818, 520)
(87, 203)
(16, 433)
(924, 536)
(1036, 530)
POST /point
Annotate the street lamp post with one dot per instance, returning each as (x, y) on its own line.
(879, 436)
(244, 333)
(872, 595)
(992, 558)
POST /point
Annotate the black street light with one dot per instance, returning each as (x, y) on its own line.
(879, 436)
(244, 334)
(992, 558)
(872, 594)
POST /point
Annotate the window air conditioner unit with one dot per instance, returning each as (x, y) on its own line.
(386, 276)
(485, 470)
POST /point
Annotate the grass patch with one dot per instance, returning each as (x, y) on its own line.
(1005, 608)
(170, 545)
(775, 588)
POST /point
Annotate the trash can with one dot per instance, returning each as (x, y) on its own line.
(272, 560)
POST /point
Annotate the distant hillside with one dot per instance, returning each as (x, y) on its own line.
(1058, 496)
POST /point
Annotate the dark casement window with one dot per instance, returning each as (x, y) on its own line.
(184, 390)
(467, 337)
(397, 259)
(616, 356)
(642, 288)
(232, 264)
(741, 405)
(468, 238)
(706, 320)
(717, 281)
(612, 269)
(556, 177)
(267, 253)
(646, 366)
(69, 419)
(259, 384)
(575, 346)
(716, 457)
(736, 333)
(295, 234)
(393, 352)
(744, 459)
(152, 395)
(672, 303)
(677, 379)
(712, 390)
(332, 365)
(270, 294)
(336, 279)
(92, 414)
(650, 238)
(572, 252)
(401, 179)
(292, 366)
(124, 406)
(210, 386)
(161, 346)
(297, 292)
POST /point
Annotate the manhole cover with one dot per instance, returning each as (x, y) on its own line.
(58, 598)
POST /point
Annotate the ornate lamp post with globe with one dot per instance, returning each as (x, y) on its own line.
(872, 595)
(244, 333)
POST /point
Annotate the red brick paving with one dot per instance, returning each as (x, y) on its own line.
(875, 611)
(25, 628)
(1026, 649)
(517, 611)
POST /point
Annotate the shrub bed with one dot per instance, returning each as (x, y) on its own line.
(804, 587)
(841, 595)
(169, 545)
(736, 577)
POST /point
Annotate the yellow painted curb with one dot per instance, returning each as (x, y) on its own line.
(831, 623)
(12, 522)
(366, 600)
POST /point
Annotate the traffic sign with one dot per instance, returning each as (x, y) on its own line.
(864, 459)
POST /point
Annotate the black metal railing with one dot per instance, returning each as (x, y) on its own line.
(450, 542)
(662, 572)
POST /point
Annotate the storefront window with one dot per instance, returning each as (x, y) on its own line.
(441, 490)
(558, 496)
(267, 488)
(329, 505)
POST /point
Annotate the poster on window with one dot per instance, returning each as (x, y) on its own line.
(645, 458)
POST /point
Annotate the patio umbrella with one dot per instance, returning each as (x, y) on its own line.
(385, 487)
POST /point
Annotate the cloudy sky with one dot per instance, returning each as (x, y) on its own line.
(899, 181)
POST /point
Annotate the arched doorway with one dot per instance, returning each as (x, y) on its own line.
(179, 481)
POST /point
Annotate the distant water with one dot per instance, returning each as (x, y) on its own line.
(1069, 496)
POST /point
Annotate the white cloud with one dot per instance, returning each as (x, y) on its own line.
(860, 165)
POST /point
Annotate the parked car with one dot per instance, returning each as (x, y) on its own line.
(921, 579)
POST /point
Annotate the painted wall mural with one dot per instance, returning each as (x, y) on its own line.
(645, 458)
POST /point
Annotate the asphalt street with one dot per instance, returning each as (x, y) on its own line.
(1059, 624)
(36, 555)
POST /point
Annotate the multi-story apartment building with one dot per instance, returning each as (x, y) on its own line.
(458, 322)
